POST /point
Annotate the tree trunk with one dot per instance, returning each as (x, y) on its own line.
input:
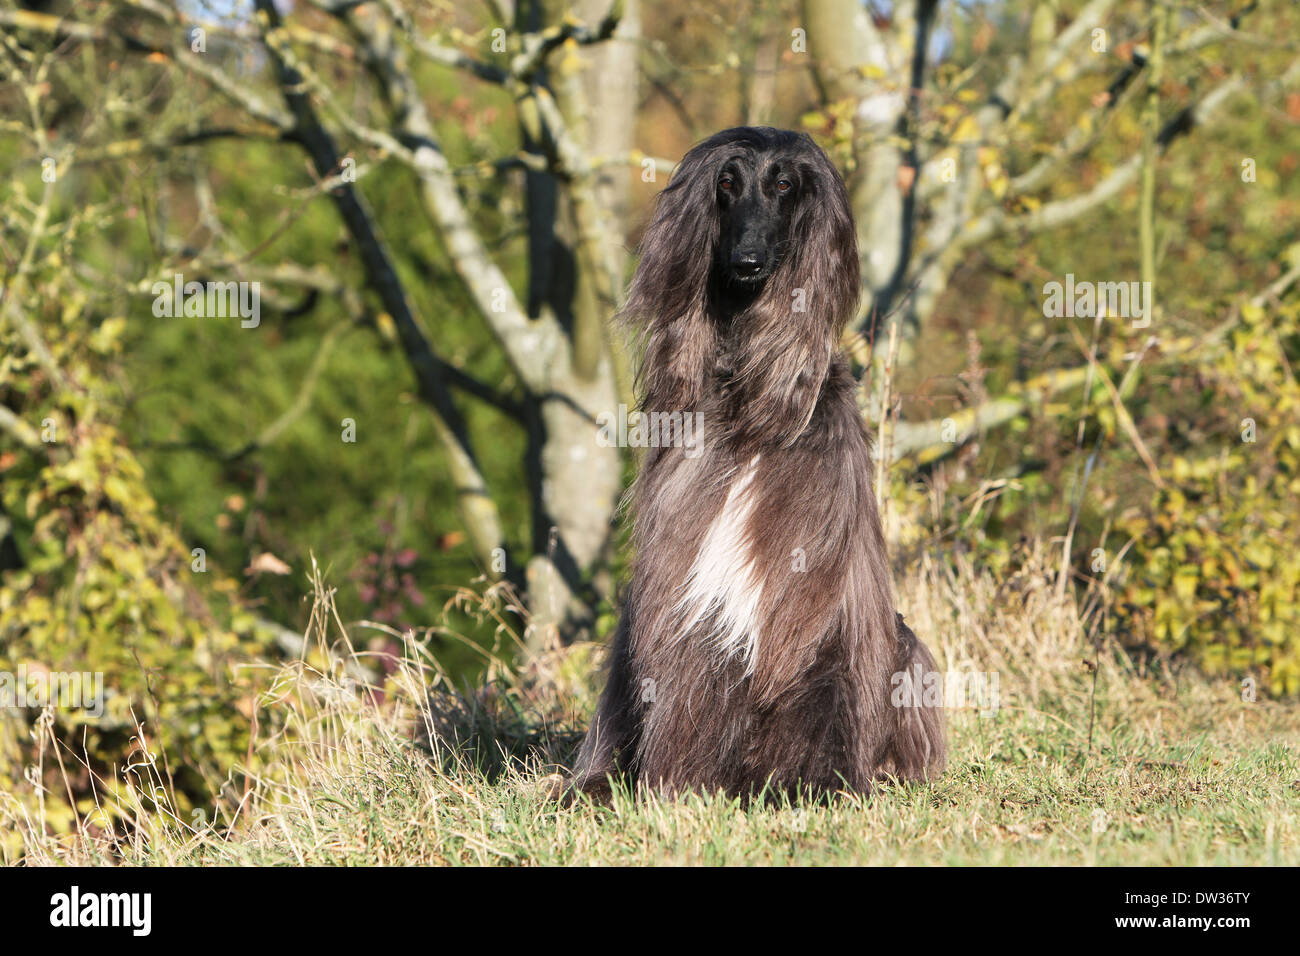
(575, 482)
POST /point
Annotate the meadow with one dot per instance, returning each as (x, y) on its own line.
(1088, 758)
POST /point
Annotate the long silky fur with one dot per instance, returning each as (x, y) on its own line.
(804, 706)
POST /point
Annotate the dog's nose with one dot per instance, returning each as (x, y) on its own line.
(747, 264)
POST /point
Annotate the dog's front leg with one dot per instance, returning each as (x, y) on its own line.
(608, 748)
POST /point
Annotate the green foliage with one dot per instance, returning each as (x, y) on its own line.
(106, 586)
(191, 390)
(1215, 568)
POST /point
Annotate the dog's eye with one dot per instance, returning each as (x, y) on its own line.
(725, 184)
(783, 185)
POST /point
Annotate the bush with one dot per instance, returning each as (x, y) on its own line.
(1215, 570)
(97, 581)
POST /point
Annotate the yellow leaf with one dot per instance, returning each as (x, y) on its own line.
(968, 131)
(1185, 583)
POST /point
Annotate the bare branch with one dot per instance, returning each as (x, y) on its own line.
(996, 221)
(477, 508)
(23, 433)
(531, 346)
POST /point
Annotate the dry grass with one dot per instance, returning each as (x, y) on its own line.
(1179, 770)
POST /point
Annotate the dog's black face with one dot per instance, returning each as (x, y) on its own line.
(756, 196)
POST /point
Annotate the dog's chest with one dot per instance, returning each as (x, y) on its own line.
(721, 598)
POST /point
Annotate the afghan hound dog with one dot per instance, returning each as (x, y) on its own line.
(759, 651)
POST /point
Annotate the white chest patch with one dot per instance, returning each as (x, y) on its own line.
(722, 583)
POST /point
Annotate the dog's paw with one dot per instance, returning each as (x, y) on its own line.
(553, 786)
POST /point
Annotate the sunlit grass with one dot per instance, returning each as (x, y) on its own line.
(1177, 772)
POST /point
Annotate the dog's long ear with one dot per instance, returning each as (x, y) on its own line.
(795, 326)
(825, 253)
(668, 295)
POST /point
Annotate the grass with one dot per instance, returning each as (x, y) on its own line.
(1090, 759)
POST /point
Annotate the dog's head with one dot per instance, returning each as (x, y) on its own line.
(743, 206)
(753, 242)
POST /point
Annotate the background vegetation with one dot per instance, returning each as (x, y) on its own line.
(440, 202)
